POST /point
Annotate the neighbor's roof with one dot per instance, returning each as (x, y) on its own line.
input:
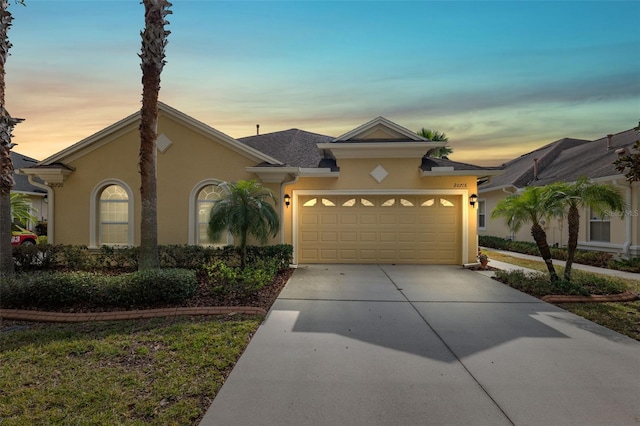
(22, 181)
(592, 160)
(519, 172)
(293, 147)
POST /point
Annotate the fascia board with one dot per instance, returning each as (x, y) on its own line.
(380, 120)
(476, 173)
(378, 149)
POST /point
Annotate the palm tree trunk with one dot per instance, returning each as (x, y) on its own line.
(573, 220)
(153, 44)
(540, 237)
(6, 165)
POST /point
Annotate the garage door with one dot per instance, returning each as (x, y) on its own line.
(379, 229)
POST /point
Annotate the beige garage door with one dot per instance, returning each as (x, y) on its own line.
(379, 229)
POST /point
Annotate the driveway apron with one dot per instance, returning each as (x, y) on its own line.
(425, 345)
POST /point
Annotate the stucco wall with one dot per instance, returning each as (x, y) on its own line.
(191, 159)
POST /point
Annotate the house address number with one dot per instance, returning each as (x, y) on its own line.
(459, 185)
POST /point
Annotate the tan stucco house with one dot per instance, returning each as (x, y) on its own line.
(368, 196)
(568, 160)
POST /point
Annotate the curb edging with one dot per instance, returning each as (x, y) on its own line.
(45, 316)
(622, 297)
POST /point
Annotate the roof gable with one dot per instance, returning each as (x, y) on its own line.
(379, 129)
(112, 132)
(380, 138)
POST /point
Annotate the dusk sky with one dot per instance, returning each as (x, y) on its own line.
(499, 78)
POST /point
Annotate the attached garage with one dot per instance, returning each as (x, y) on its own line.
(379, 228)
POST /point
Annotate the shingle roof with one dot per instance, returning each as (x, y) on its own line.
(293, 147)
(429, 162)
(593, 160)
(22, 182)
(519, 172)
(565, 160)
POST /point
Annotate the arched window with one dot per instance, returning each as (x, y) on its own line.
(204, 202)
(113, 223)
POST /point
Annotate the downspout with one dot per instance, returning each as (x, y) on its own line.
(50, 207)
(627, 219)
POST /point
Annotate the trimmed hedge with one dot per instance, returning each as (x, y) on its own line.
(79, 258)
(582, 284)
(56, 290)
(593, 258)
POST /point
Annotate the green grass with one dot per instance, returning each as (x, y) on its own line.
(160, 371)
(621, 317)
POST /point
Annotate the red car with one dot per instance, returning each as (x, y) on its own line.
(21, 236)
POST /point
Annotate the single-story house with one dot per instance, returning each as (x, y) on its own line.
(33, 189)
(368, 196)
(567, 160)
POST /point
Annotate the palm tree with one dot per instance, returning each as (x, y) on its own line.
(244, 210)
(7, 123)
(154, 40)
(571, 197)
(21, 209)
(434, 135)
(529, 206)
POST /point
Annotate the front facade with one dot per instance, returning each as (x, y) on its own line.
(368, 196)
(568, 160)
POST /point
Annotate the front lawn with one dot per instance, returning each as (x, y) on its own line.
(162, 371)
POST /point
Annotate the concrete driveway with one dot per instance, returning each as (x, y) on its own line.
(426, 345)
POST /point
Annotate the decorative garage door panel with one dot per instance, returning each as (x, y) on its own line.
(379, 229)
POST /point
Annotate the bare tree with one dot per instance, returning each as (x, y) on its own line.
(154, 41)
(7, 123)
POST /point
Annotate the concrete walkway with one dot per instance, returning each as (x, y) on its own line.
(414, 345)
(587, 268)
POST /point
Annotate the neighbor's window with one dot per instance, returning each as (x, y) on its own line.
(206, 199)
(114, 216)
(599, 228)
(482, 216)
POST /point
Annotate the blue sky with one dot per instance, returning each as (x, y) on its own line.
(500, 78)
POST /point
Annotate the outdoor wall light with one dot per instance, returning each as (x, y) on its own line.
(473, 199)
(287, 200)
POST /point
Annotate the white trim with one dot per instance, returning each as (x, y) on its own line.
(482, 200)
(93, 214)
(476, 173)
(362, 129)
(378, 149)
(50, 209)
(193, 214)
(463, 192)
(192, 238)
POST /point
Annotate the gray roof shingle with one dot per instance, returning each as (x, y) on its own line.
(22, 181)
(294, 147)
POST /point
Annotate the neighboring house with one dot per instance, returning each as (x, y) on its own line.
(567, 160)
(35, 191)
(367, 196)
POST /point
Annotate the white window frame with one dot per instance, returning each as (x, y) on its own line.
(482, 213)
(593, 218)
(94, 211)
(194, 217)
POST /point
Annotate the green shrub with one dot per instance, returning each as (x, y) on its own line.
(42, 239)
(592, 258)
(223, 279)
(119, 258)
(627, 265)
(157, 286)
(55, 290)
(538, 284)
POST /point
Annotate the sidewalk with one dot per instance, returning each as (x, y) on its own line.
(586, 268)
